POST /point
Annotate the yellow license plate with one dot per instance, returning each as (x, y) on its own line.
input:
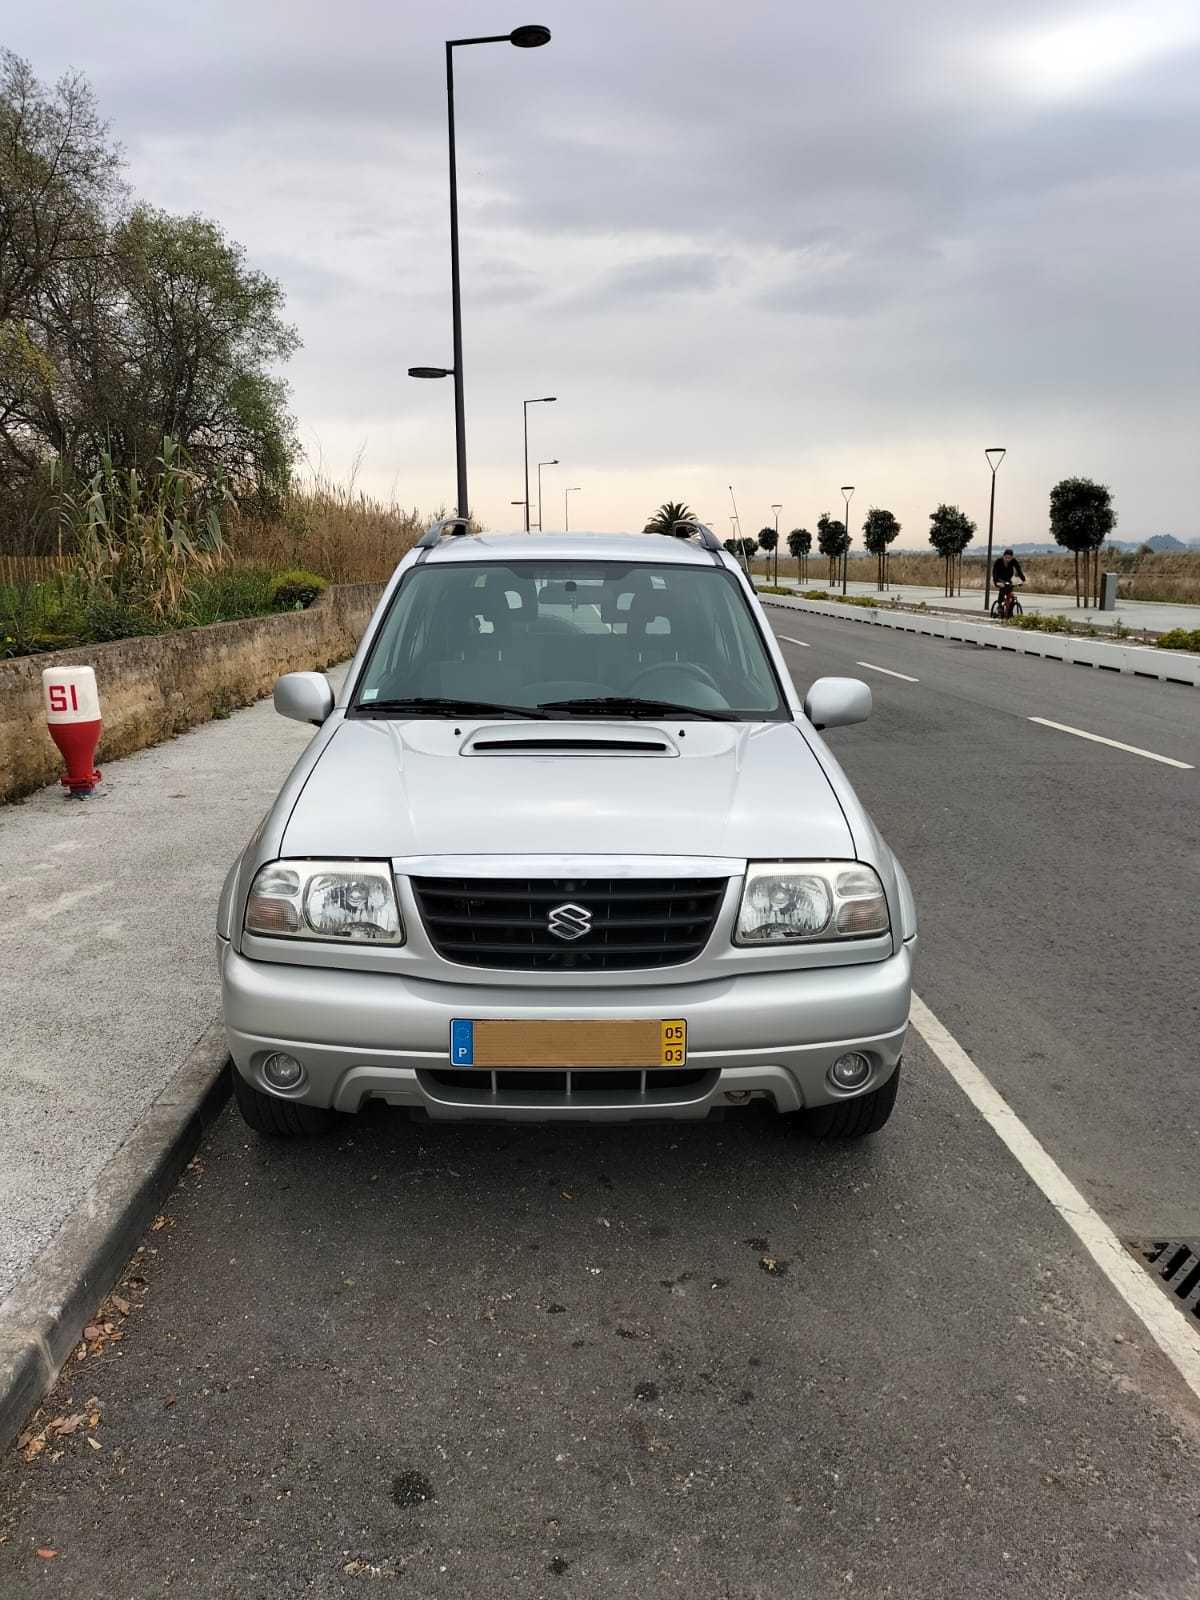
(498, 1042)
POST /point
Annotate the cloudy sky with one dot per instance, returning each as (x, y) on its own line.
(773, 244)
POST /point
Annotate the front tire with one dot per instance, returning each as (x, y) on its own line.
(278, 1119)
(853, 1119)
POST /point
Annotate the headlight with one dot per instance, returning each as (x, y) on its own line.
(784, 902)
(342, 900)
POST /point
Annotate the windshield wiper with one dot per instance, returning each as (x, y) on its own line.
(630, 706)
(432, 705)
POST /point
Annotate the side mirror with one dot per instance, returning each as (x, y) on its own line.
(836, 702)
(304, 696)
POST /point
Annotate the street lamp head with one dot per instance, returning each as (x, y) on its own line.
(431, 372)
(530, 36)
(847, 488)
(995, 450)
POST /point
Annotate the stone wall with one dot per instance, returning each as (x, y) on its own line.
(153, 688)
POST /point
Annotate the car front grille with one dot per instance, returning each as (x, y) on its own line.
(630, 922)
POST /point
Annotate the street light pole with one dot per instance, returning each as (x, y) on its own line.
(540, 465)
(525, 38)
(999, 452)
(543, 400)
(776, 509)
(566, 506)
(847, 496)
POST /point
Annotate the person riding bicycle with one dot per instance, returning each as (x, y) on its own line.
(1005, 571)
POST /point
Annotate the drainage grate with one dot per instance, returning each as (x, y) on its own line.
(1176, 1265)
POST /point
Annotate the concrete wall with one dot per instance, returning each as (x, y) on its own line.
(153, 688)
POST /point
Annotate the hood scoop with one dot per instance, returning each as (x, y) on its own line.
(568, 739)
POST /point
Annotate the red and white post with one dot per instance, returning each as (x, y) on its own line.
(73, 718)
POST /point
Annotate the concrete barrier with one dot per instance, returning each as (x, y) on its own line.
(1144, 661)
(155, 687)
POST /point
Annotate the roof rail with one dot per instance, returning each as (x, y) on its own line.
(454, 527)
(691, 529)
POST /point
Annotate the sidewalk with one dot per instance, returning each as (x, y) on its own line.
(107, 953)
(1153, 615)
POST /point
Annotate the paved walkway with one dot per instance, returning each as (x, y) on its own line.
(107, 953)
(1150, 615)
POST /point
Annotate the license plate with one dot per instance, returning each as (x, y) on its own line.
(498, 1042)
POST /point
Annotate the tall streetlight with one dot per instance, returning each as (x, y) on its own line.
(540, 465)
(847, 496)
(525, 38)
(542, 400)
(566, 505)
(999, 452)
(776, 509)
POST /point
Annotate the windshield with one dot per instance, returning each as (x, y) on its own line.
(572, 637)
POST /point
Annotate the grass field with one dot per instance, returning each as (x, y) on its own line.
(1167, 576)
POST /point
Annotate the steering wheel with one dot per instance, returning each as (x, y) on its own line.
(679, 668)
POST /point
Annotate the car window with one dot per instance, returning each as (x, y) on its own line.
(533, 632)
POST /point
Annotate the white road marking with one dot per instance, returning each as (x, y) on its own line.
(1167, 1325)
(888, 670)
(787, 638)
(1098, 738)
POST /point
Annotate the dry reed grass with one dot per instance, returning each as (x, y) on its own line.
(339, 532)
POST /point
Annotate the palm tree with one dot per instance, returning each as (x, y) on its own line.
(667, 515)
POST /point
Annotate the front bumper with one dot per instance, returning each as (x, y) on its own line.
(368, 1035)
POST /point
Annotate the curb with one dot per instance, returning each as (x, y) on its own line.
(42, 1319)
(1142, 661)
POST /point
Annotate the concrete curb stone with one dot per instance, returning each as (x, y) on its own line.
(42, 1319)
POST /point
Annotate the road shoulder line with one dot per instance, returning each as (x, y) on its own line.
(1099, 738)
(42, 1318)
(1166, 1324)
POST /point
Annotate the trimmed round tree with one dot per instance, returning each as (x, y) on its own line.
(1081, 518)
(799, 542)
(879, 530)
(950, 532)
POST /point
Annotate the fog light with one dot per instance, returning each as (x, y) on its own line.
(282, 1071)
(850, 1071)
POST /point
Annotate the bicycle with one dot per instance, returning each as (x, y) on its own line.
(1006, 604)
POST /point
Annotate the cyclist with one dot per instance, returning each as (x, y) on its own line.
(1005, 570)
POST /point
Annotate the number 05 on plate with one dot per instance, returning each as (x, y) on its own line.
(634, 1042)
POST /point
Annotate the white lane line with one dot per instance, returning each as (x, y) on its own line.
(787, 638)
(1098, 738)
(1167, 1325)
(888, 670)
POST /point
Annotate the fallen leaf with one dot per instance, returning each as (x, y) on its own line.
(46, 1553)
(169, 1400)
(121, 1305)
(35, 1446)
(95, 1443)
(94, 1419)
(67, 1425)
(92, 1332)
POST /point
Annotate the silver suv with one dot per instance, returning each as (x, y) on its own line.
(567, 846)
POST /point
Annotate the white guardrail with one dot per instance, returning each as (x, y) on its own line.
(1144, 661)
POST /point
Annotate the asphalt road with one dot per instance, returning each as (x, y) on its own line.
(1058, 882)
(538, 1362)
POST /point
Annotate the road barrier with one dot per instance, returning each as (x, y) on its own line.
(1143, 661)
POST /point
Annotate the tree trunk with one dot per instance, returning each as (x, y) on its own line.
(1077, 580)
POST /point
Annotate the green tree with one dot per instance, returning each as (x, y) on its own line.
(879, 529)
(768, 540)
(667, 515)
(132, 326)
(950, 532)
(799, 542)
(832, 541)
(1082, 516)
(747, 548)
(732, 546)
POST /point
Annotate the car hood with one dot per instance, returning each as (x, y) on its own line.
(429, 788)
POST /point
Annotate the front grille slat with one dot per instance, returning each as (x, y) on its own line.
(493, 922)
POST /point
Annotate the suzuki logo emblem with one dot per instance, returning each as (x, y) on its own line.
(569, 921)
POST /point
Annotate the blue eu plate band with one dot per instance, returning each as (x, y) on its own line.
(462, 1042)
